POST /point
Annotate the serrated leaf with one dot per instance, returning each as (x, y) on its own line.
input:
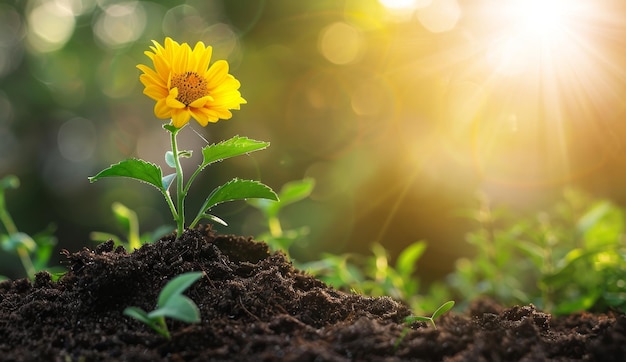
(176, 286)
(136, 169)
(238, 189)
(235, 146)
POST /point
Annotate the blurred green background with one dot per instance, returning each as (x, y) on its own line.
(401, 110)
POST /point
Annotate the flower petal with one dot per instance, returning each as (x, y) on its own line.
(171, 100)
(217, 73)
(178, 79)
(180, 117)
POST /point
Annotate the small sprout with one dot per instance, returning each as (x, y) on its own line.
(34, 251)
(172, 304)
(440, 311)
(411, 319)
(128, 221)
(291, 192)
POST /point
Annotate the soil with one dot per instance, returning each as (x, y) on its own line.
(256, 306)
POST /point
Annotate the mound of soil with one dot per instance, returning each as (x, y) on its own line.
(256, 306)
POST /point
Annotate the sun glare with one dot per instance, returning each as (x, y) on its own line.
(544, 21)
(535, 32)
(550, 65)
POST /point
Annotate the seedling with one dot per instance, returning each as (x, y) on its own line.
(567, 259)
(33, 251)
(375, 275)
(436, 314)
(276, 237)
(129, 223)
(445, 307)
(171, 304)
(184, 86)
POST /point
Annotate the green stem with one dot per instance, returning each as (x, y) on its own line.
(27, 263)
(193, 177)
(5, 218)
(180, 191)
(11, 229)
(160, 327)
(274, 225)
(170, 203)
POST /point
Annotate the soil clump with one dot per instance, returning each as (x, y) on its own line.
(255, 306)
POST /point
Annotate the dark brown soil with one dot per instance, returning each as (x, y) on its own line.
(255, 306)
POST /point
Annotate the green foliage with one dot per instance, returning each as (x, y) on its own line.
(127, 221)
(33, 251)
(171, 304)
(276, 237)
(568, 259)
(375, 275)
(152, 174)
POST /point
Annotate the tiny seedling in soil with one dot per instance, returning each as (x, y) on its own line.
(172, 304)
(440, 311)
(412, 319)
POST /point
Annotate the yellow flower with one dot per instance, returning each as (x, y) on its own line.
(184, 86)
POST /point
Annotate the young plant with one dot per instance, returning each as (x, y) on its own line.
(184, 87)
(445, 307)
(567, 259)
(276, 237)
(375, 275)
(129, 223)
(171, 304)
(34, 252)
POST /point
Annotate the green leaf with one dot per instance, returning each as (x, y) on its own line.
(18, 240)
(138, 314)
(176, 286)
(166, 181)
(415, 318)
(290, 193)
(296, 190)
(185, 153)
(409, 257)
(592, 216)
(443, 309)
(170, 128)
(214, 218)
(178, 307)
(237, 189)
(169, 159)
(235, 146)
(139, 170)
(10, 182)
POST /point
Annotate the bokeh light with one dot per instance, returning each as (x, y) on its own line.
(50, 25)
(120, 23)
(400, 109)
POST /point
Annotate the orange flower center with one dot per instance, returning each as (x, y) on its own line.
(191, 86)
